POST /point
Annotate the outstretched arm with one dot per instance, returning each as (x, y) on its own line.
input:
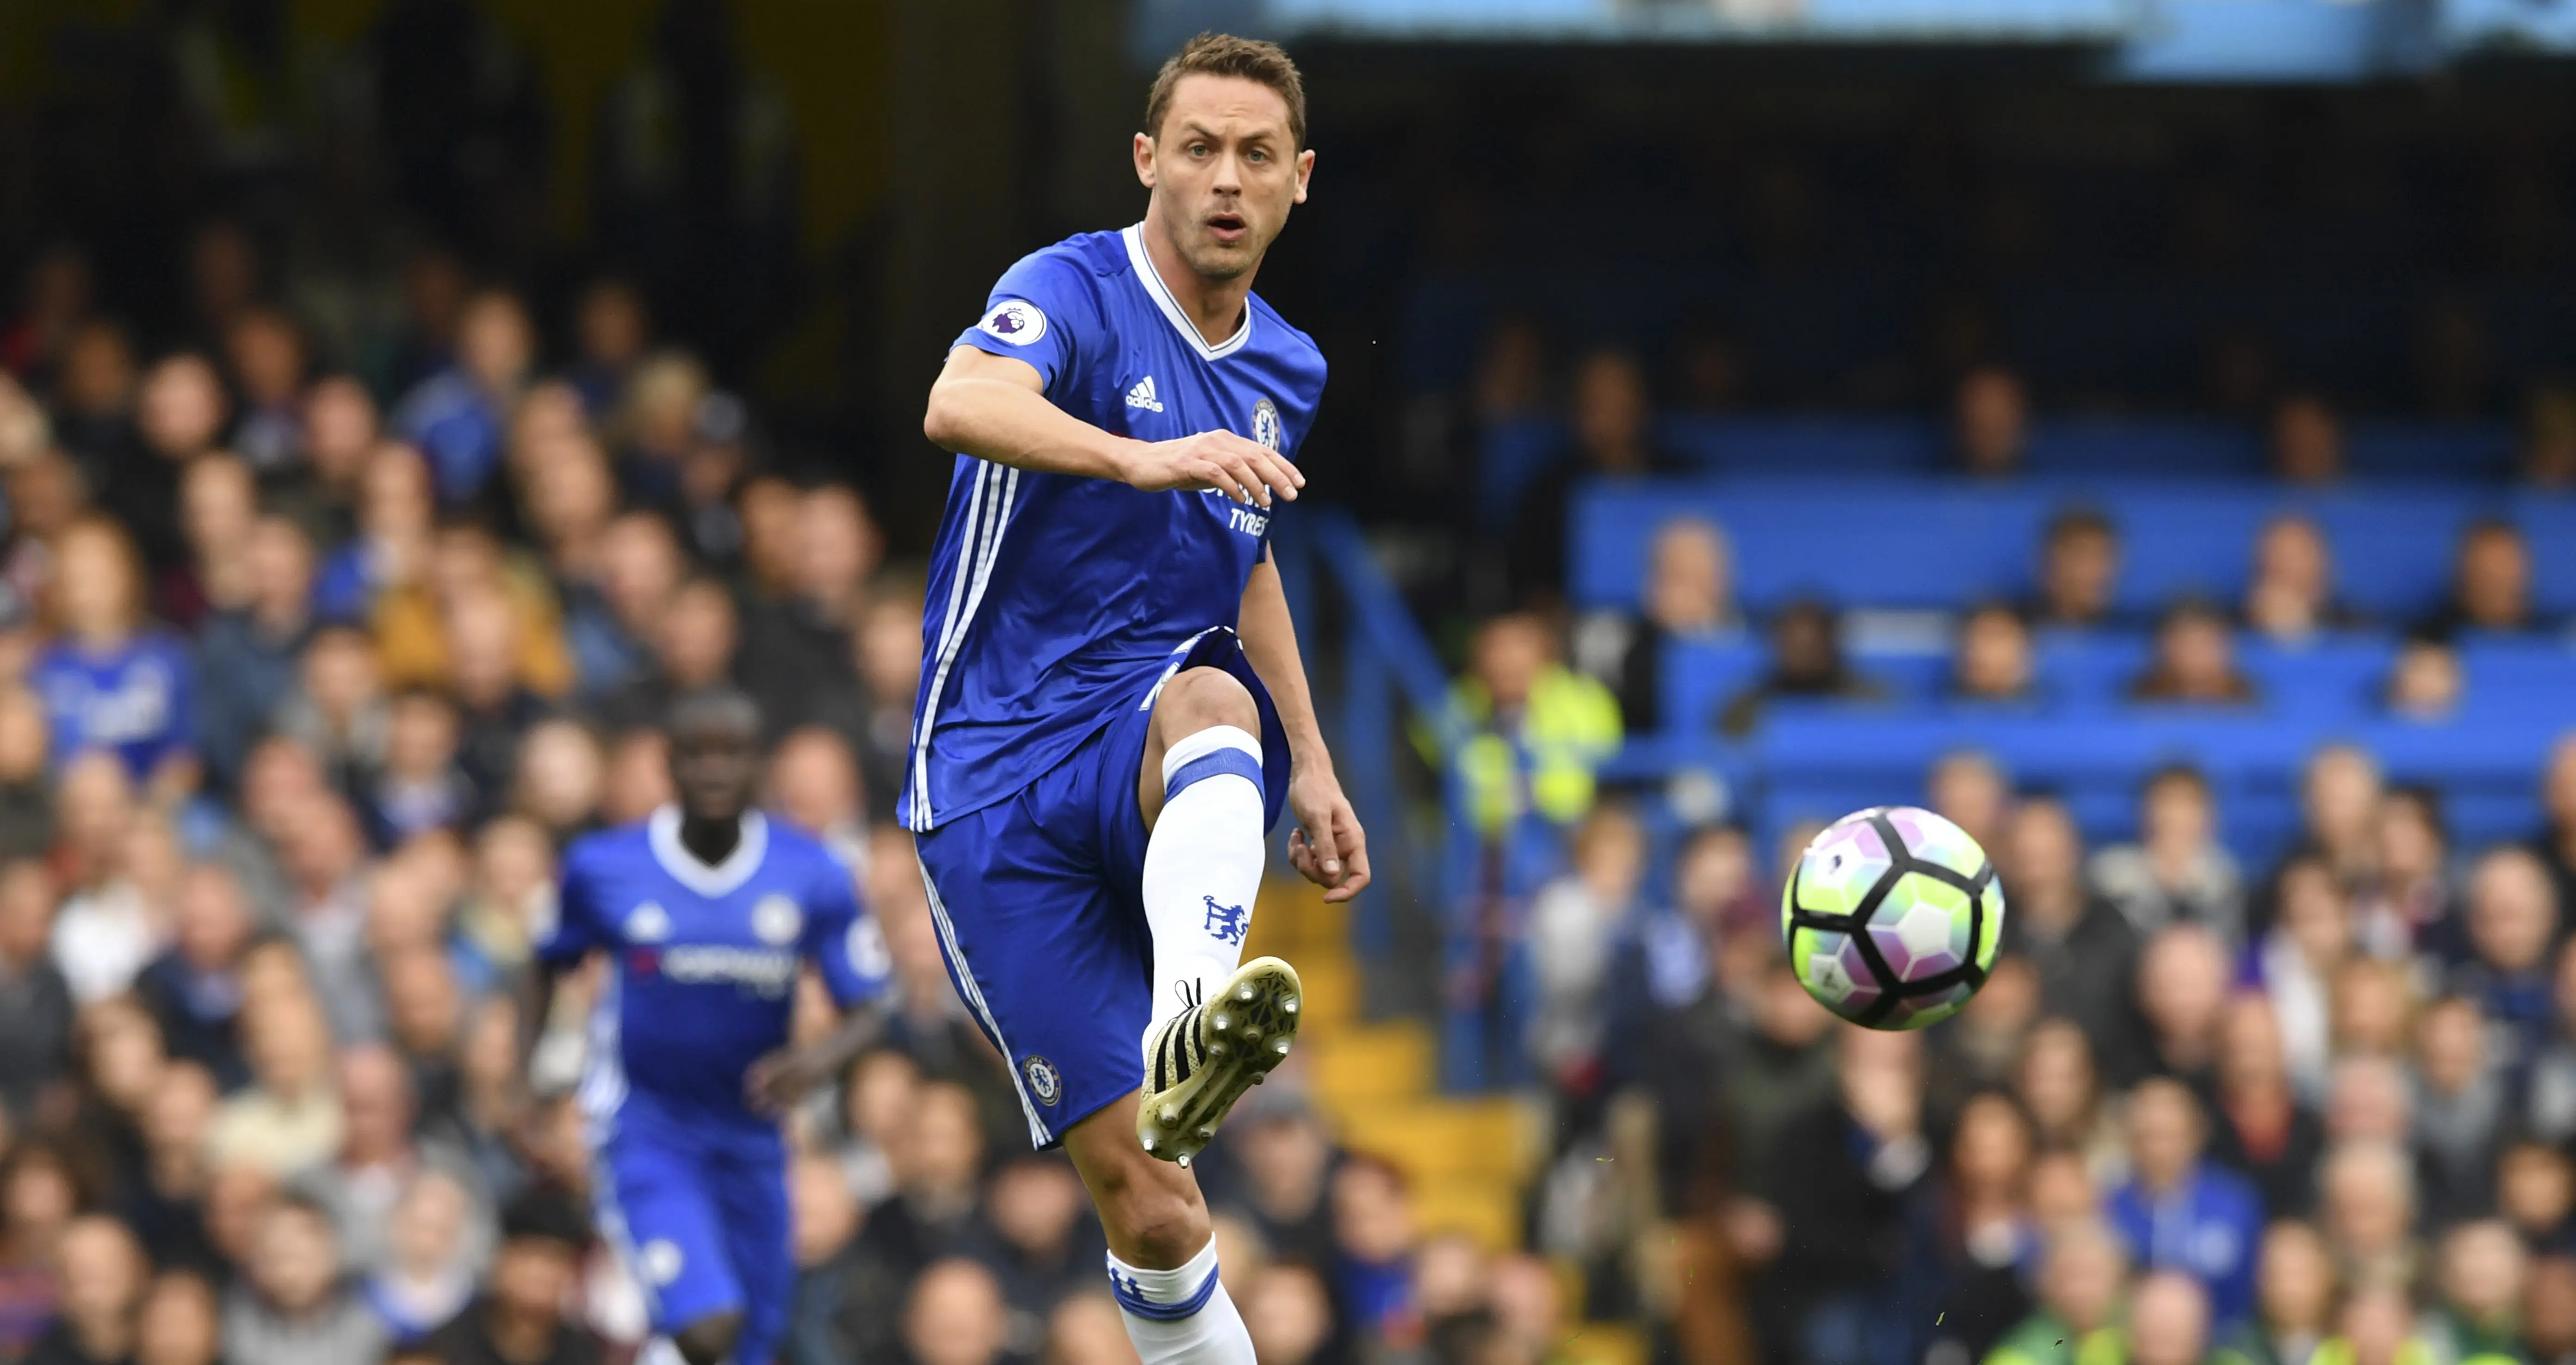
(995, 408)
(778, 1080)
(1328, 845)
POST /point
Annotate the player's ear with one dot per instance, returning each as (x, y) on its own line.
(1144, 153)
(1305, 172)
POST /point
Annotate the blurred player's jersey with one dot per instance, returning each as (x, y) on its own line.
(1052, 596)
(703, 961)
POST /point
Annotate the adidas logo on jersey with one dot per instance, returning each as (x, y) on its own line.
(1142, 396)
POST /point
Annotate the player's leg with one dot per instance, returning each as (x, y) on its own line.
(750, 1190)
(1216, 1028)
(657, 1211)
(1162, 1252)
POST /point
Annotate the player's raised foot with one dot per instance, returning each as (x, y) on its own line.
(1201, 1060)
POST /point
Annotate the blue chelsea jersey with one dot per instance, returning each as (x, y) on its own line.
(703, 961)
(1054, 599)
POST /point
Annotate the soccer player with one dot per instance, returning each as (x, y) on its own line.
(707, 914)
(1112, 711)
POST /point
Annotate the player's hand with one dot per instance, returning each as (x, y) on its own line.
(1246, 471)
(776, 1082)
(1328, 846)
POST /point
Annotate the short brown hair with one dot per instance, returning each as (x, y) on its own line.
(1223, 54)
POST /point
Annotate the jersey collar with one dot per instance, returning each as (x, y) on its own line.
(1162, 296)
(663, 832)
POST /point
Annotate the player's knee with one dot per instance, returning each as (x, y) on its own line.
(709, 1340)
(1159, 1221)
(1199, 698)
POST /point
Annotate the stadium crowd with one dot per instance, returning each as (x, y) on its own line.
(333, 602)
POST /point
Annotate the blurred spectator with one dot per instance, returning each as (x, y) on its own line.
(26, 800)
(2294, 1301)
(2366, 1195)
(611, 329)
(1614, 439)
(2513, 918)
(1289, 1314)
(1044, 1246)
(2263, 1128)
(289, 1121)
(1287, 1161)
(2556, 841)
(2194, 661)
(164, 1203)
(2079, 568)
(1543, 728)
(266, 353)
(2290, 599)
(459, 416)
(218, 502)
(2079, 1287)
(519, 1318)
(117, 919)
(496, 707)
(337, 711)
(796, 648)
(179, 415)
(2307, 440)
(2536, 1193)
(888, 646)
(2460, 1110)
(1806, 663)
(368, 1185)
(2180, 1212)
(2083, 950)
(2056, 1081)
(248, 656)
(293, 1306)
(2549, 438)
(2427, 683)
(2169, 1321)
(103, 1274)
(1985, 1235)
(420, 786)
(1990, 422)
(109, 681)
(1966, 788)
(955, 1317)
(2182, 985)
(194, 988)
(1994, 657)
(2296, 962)
(1689, 599)
(1842, 1177)
(2177, 870)
(1372, 1267)
(94, 397)
(2338, 808)
(1575, 923)
(2480, 1288)
(35, 1000)
(396, 510)
(694, 646)
(38, 1200)
(2490, 586)
(609, 621)
(320, 491)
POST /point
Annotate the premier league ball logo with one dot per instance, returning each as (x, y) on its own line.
(1016, 321)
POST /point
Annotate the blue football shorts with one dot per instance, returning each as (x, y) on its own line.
(702, 1221)
(1038, 903)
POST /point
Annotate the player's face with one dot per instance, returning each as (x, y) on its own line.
(1224, 172)
(715, 760)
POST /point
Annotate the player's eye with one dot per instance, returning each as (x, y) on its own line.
(1256, 155)
(1198, 149)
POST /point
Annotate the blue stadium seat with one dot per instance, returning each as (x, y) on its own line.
(2096, 447)
(2385, 448)
(1700, 676)
(2339, 676)
(1808, 446)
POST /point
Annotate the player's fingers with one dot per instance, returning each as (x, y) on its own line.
(1354, 842)
(1327, 849)
(1247, 477)
(1280, 475)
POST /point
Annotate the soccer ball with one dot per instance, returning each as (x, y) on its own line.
(1892, 917)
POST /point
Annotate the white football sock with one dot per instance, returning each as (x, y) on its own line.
(1203, 865)
(1180, 1317)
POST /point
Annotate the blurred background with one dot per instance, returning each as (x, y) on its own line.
(2142, 430)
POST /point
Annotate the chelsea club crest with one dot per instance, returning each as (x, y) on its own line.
(1265, 424)
(1045, 1085)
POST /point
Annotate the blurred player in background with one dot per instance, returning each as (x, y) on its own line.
(1112, 710)
(708, 914)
